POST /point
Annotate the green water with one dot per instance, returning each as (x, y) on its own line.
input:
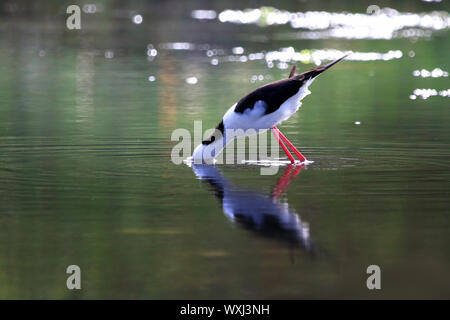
(86, 175)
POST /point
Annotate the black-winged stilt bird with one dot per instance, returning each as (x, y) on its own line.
(263, 109)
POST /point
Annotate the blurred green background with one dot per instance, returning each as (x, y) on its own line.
(86, 118)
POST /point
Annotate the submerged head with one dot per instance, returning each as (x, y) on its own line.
(206, 153)
(210, 147)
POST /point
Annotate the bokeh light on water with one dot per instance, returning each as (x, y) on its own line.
(86, 118)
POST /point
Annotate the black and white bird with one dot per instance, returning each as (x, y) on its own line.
(261, 110)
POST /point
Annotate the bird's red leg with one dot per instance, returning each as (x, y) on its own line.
(283, 182)
(297, 170)
(285, 179)
(290, 145)
(285, 149)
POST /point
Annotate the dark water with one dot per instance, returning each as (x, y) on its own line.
(87, 179)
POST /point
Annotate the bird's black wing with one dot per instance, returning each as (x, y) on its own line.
(273, 94)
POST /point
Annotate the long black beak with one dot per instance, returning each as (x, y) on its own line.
(315, 72)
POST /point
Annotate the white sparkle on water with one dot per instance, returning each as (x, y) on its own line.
(204, 14)
(426, 93)
(387, 23)
(238, 50)
(177, 46)
(435, 73)
(137, 19)
(109, 54)
(284, 56)
(256, 77)
(152, 52)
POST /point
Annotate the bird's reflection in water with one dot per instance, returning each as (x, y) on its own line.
(261, 212)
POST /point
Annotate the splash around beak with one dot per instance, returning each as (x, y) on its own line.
(315, 72)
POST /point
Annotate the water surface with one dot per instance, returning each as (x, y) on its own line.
(86, 178)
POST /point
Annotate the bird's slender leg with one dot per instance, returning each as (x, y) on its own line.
(285, 149)
(290, 145)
